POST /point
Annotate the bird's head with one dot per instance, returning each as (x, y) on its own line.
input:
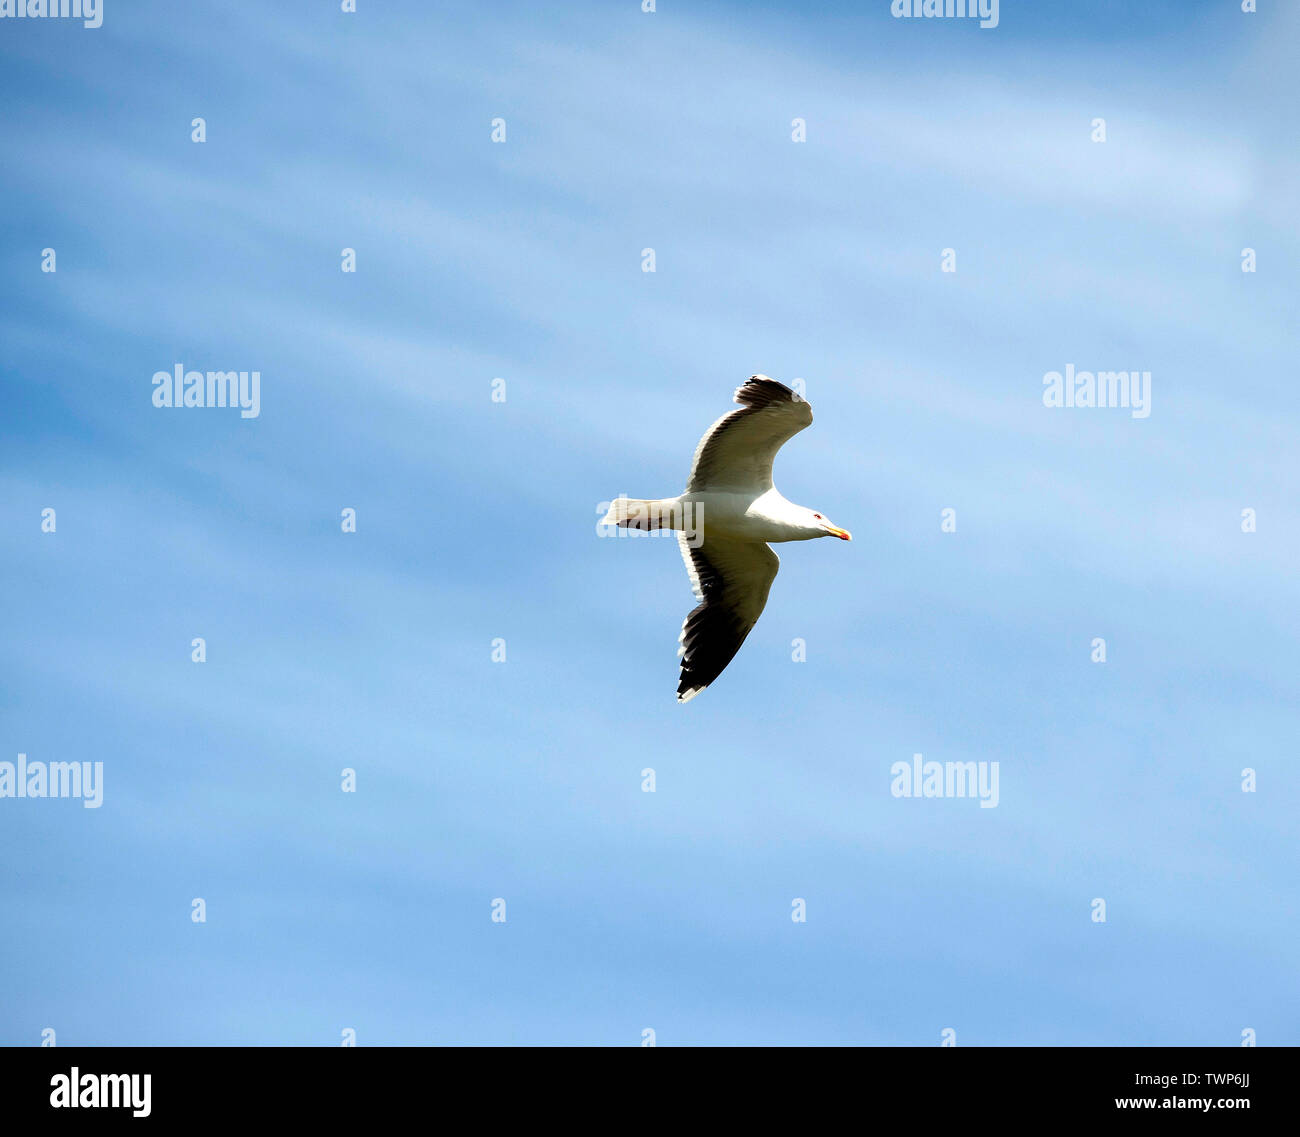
(824, 528)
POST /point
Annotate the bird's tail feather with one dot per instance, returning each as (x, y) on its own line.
(644, 514)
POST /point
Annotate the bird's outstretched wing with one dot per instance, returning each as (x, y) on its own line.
(737, 451)
(731, 580)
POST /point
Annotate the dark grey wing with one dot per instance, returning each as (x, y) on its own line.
(731, 580)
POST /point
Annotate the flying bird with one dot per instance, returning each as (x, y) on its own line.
(724, 521)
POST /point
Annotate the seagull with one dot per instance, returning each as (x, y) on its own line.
(724, 521)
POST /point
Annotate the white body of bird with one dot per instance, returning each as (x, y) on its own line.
(767, 516)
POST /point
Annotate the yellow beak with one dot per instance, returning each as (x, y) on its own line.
(842, 534)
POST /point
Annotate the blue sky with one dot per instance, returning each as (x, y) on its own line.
(476, 520)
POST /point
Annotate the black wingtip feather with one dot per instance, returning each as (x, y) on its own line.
(760, 391)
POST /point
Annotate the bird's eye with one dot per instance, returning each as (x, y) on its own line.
(819, 517)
